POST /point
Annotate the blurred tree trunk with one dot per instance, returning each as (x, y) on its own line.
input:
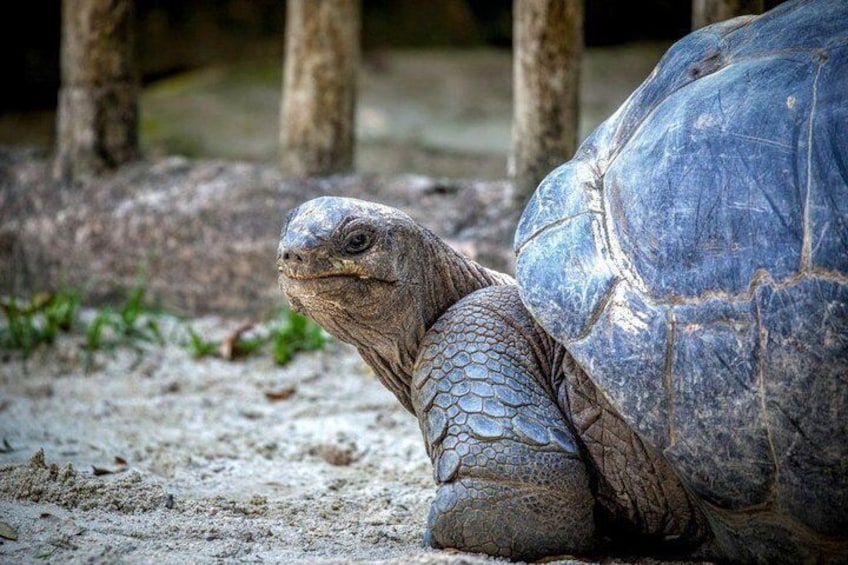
(97, 119)
(319, 86)
(706, 12)
(547, 52)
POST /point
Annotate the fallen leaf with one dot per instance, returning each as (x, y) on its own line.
(120, 466)
(8, 532)
(281, 393)
(229, 345)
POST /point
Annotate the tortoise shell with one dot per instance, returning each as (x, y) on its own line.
(693, 258)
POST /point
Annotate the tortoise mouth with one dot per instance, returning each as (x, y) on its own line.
(318, 277)
(315, 293)
(321, 276)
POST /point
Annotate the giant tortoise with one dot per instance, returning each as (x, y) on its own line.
(669, 373)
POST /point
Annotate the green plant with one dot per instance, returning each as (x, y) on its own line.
(94, 330)
(288, 334)
(132, 323)
(61, 311)
(138, 321)
(294, 333)
(18, 333)
(199, 346)
(38, 320)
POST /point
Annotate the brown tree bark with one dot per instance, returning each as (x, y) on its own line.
(319, 86)
(548, 48)
(706, 12)
(97, 119)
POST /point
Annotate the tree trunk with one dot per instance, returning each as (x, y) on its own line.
(706, 12)
(319, 86)
(548, 47)
(97, 121)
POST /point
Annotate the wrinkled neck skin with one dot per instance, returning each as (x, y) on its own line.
(388, 334)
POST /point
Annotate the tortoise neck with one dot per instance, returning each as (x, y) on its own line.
(438, 278)
(452, 276)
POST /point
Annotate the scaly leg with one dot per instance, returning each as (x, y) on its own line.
(511, 481)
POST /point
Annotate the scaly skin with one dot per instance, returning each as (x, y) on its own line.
(529, 457)
(511, 479)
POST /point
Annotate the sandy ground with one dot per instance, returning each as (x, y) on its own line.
(216, 470)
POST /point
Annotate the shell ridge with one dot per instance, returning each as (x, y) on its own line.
(806, 245)
(599, 310)
(668, 373)
(550, 226)
(612, 250)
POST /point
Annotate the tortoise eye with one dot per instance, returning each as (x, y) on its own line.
(357, 242)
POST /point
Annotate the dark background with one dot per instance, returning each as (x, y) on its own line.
(176, 36)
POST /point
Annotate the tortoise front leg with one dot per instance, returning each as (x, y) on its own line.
(510, 478)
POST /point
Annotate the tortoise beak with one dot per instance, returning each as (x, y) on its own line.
(303, 246)
(302, 257)
(305, 257)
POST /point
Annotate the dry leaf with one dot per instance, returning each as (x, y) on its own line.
(120, 466)
(281, 393)
(228, 348)
(8, 532)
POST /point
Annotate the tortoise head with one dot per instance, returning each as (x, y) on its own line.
(374, 278)
(349, 263)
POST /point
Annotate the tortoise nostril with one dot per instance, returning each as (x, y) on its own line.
(291, 256)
